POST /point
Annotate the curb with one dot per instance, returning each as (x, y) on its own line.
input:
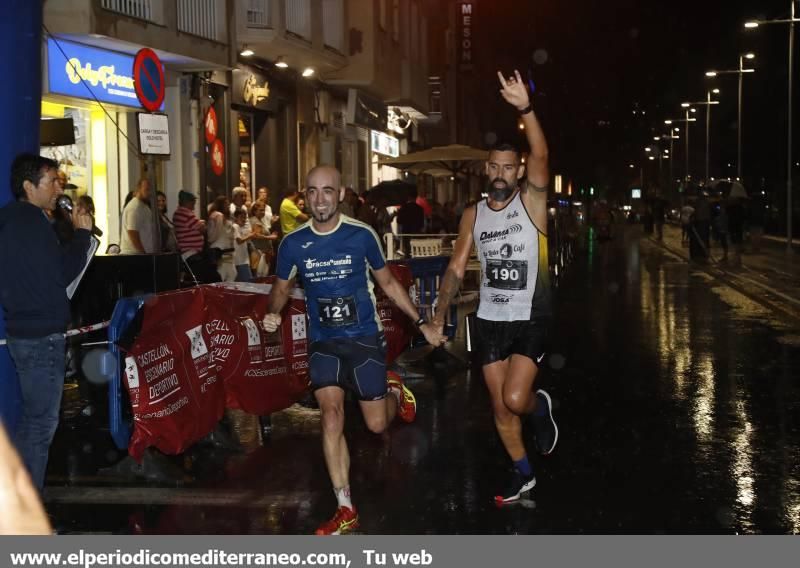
(726, 277)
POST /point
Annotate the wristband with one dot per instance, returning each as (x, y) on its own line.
(420, 321)
(526, 110)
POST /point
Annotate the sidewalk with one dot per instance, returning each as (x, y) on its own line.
(770, 276)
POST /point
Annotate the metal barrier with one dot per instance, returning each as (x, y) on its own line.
(427, 273)
(124, 313)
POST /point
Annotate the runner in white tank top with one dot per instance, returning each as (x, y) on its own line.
(509, 231)
(513, 254)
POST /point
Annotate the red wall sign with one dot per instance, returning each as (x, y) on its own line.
(211, 125)
(217, 157)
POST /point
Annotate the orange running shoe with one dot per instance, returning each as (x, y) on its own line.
(407, 410)
(344, 521)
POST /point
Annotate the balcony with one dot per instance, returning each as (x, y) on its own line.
(259, 14)
(388, 56)
(303, 33)
(202, 18)
(189, 35)
(298, 18)
(139, 9)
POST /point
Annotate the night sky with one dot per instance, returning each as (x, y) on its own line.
(595, 62)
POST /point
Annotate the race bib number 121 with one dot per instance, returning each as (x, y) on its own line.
(337, 312)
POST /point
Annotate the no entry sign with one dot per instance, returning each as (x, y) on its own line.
(148, 79)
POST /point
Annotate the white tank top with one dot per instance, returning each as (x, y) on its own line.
(514, 269)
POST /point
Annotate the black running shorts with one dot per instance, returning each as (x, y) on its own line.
(357, 364)
(498, 340)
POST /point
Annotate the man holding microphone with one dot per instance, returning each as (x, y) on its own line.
(37, 271)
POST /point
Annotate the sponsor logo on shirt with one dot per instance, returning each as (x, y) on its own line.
(505, 251)
(500, 298)
(308, 244)
(313, 263)
(494, 235)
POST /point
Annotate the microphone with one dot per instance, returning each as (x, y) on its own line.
(65, 202)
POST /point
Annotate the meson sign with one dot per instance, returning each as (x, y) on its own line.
(465, 34)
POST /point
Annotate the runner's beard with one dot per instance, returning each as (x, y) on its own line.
(324, 217)
(501, 193)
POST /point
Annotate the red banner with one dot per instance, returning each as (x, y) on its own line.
(202, 349)
(172, 379)
(399, 330)
(263, 372)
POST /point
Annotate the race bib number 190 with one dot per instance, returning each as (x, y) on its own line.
(507, 274)
(337, 312)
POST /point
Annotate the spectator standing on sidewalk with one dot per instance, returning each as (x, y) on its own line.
(699, 242)
(756, 217)
(291, 216)
(138, 225)
(734, 209)
(719, 225)
(658, 208)
(686, 222)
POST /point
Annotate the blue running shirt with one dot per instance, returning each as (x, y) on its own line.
(334, 268)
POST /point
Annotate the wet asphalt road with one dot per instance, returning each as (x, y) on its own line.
(676, 397)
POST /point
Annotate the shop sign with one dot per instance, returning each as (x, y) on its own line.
(253, 89)
(84, 72)
(465, 35)
(153, 134)
(366, 111)
(217, 157)
(384, 144)
(211, 126)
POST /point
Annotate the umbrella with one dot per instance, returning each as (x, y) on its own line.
(732, 189)
(738, 190)
(451, 160)
(394, 192)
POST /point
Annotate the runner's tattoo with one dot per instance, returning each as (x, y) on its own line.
(451, 283)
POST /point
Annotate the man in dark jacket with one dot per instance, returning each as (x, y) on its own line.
(36, 272)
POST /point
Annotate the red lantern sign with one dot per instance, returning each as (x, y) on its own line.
(211, 125)
(217, 157)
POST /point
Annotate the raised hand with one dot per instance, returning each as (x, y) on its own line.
(514, 91)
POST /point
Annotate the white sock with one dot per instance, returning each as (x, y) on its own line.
(398, 393)
(343, 496)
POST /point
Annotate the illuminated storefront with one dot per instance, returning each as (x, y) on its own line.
(94, 88)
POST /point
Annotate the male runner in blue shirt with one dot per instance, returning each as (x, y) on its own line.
(333, 254)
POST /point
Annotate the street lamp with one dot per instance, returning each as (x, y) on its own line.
(708, 102)
(791, 21)
(687, 120)
(740, 72)
(668, 153)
